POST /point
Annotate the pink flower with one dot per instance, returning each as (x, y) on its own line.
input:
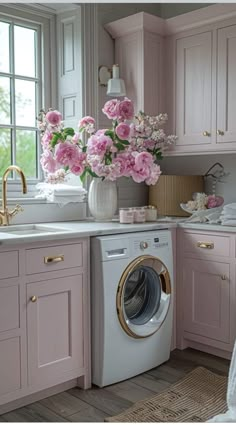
(75, 138)
(97, 145)
(125, 110)
(123, 131)
(214, 201)
(155, 173)
(54, 117)
(87, 123)
(126, 162)
(140, 174)
(66, 154)
(46, 139)
(48, 162)
(143, 159)
(149, 144)
(111, 109)
(77, 168)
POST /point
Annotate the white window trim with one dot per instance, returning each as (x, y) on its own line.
(46, 16)
(48, 61)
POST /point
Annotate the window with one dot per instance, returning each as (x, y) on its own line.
(20, 95)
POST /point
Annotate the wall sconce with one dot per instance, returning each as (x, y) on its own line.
(111, 79)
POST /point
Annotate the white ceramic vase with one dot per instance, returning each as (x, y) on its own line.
(102, 199)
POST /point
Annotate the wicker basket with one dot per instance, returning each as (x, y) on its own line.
(170, 191)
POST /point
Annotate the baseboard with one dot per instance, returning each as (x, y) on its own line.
(16, 404)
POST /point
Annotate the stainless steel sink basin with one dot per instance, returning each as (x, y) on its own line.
(29, 229)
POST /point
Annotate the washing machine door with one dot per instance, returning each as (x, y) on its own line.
(143, 296)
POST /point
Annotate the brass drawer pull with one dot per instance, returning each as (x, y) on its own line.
(56, 259)
(205, 245)
(223, 277)
(220, 132)
(206, 133)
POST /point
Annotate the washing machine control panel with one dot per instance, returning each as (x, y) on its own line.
(141, 245)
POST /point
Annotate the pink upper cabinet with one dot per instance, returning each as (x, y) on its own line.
(138, 51)
(184, 66)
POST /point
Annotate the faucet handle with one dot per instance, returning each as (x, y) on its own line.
(18, 208)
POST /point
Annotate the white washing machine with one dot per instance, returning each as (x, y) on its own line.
(132, 304)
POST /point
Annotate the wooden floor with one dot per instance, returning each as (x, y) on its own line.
(96, 404)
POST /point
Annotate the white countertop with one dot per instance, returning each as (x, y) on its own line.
(87, 228)
(78, 229)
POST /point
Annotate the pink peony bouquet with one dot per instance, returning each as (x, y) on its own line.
(130, 148)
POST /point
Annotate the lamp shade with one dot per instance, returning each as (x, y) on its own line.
(116, 86)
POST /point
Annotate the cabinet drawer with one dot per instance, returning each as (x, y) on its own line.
(51, 258)
(9, 265)
(209, 244)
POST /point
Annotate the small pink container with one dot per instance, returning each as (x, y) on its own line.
(126, 215)
(139, 215)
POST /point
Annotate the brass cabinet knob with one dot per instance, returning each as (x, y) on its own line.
(220, 133)
(33, 299)
(206, 133)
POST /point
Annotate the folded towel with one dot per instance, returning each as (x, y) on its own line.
(228, 223)
(228, 217)
(229, 211)
(231, 206)
(63, 189)
(60, 193)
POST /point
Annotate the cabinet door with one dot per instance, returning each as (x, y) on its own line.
(206, 300)
(55, 328)
(194, 90)
(226, 87)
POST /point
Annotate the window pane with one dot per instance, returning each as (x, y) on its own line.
(26, 152)
(5, 149)
(24, 42)
(25, 103)
(4, 47)
(5, 108)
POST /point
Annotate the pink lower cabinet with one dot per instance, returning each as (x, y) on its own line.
(206, 291)
(55, 329)
(44, 319)
(207, 299)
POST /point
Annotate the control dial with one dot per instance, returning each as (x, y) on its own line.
(143, 245)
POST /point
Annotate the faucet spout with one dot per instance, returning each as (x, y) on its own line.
(5, 214)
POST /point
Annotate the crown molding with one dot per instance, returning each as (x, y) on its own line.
(204, 16)
(145, 21)
(136, 22)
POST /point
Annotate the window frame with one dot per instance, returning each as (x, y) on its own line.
(46, 64)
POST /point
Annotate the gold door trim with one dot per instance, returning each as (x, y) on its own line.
(165, 285)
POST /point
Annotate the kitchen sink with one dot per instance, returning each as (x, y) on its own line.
(29, 229)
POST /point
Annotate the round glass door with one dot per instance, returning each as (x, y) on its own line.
(143, 296)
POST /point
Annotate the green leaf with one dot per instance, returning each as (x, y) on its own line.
(91, 173)
(68, 131)
(55, 139)
(125, 142)
(110, 133)
(120, 147)
(81, 130)
(83, 175)
(84, 148)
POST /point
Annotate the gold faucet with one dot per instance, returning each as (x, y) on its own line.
(5, 214)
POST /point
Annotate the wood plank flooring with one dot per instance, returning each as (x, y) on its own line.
(96, 404)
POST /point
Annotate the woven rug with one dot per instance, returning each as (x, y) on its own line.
(195, 398)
